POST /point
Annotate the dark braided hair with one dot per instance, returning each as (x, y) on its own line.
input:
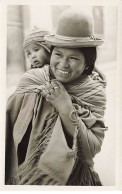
(90, 55)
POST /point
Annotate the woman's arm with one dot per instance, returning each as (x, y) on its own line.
(57, 95)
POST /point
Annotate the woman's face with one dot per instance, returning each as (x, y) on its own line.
(67, 64)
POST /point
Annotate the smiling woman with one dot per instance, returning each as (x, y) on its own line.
(56, 115)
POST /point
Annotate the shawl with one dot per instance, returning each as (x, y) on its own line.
(27, 109)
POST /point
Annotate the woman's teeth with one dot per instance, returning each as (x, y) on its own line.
(63, 72)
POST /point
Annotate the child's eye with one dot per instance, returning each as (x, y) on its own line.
(58, 54)
(28, 53)
(36, 49)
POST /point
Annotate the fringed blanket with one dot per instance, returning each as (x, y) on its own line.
(32, 124)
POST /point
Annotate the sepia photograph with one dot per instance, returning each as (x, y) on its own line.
(62, 95)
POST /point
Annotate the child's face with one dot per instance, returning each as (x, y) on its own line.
(37, 55)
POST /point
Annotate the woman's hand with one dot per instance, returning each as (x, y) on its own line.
(57, 95)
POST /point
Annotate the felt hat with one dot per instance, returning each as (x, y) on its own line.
(36, 35)
(75, 29)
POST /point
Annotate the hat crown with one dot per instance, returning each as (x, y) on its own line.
(74, 23)
(75, 29)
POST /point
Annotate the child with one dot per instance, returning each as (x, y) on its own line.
(37, 51)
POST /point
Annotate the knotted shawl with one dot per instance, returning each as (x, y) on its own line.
(89, 100)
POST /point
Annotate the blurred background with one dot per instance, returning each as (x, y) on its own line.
(22, 18)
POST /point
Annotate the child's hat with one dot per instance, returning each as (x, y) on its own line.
(75, 29)
(36, 35)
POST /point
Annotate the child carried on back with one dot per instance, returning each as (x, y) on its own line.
(36, 49)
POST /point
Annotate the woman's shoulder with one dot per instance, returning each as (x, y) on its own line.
(98, 76)
(36, 71)
(35, 74)
(33, 78)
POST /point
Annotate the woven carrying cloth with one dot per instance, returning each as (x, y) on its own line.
(31, 118)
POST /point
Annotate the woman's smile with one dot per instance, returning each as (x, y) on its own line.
(63, 73)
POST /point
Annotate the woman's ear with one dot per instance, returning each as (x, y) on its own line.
(86, 68)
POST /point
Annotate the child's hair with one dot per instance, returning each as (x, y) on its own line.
(37, 36)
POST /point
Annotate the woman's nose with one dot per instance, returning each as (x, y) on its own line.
(64, 63)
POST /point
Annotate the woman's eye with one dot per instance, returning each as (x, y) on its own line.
(74, 58)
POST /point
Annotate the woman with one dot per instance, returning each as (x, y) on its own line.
(55, 123)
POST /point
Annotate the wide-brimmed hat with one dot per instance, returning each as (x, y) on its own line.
(75, 29)
(36, 35)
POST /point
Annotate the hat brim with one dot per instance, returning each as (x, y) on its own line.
(54, 41)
